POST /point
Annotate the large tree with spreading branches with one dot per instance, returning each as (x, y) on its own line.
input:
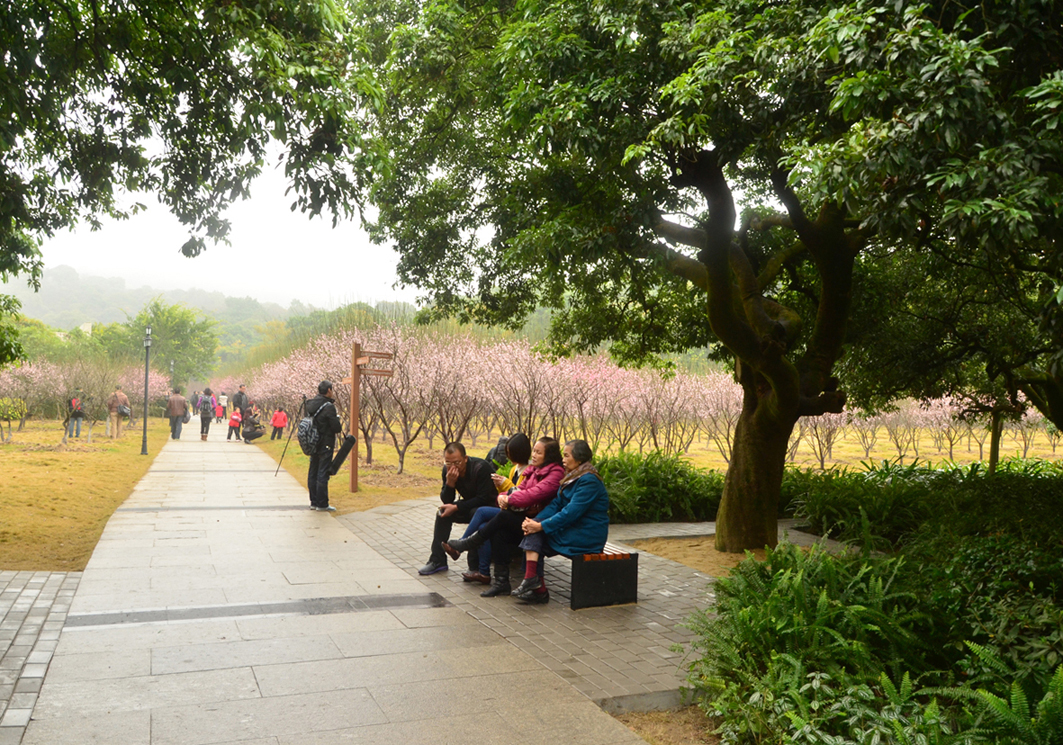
(672, 174)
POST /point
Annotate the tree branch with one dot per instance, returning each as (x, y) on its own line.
(694, 237)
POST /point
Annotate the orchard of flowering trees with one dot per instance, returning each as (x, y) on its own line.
(42, 389)
(458, 388)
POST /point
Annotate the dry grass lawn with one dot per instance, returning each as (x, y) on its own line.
(56, 499)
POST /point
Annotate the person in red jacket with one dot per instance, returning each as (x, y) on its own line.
(234, 425)
(278, 422)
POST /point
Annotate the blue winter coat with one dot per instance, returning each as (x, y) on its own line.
(577, 520)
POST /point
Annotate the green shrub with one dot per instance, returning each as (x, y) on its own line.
(1013, 722)
(793, 615)
(12, 408)
(658, 488)
(831, 503)
(1024, 498)
(997, 592)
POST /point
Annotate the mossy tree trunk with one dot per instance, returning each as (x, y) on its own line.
(784, 373)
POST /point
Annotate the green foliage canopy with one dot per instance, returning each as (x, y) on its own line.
(174, 98)
(586, 157)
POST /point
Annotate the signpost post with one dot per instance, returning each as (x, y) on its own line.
(359, 359)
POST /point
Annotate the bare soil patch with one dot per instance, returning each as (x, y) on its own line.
(687, 725)
(696, 553)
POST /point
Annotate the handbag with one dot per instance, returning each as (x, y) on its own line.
(187, 417)
(124, 410)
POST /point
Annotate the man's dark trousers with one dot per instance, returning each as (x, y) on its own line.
(175, 426)
(318, 475)
(441, 533)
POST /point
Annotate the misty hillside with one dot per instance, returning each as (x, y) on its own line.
(68, 299)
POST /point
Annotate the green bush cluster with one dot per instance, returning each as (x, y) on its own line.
(12, 408)
(658, 488)
(1023, 498)
(955, 636)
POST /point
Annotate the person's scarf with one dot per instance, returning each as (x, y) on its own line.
(581, 470)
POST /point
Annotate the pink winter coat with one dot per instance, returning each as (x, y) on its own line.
(537, 487)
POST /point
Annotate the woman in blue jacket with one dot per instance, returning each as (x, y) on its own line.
(575, 522)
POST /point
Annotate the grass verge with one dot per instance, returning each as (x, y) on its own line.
(56, 499)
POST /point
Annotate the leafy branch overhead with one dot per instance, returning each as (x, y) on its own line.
(178, 99)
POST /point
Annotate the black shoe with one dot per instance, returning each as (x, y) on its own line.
(527, 585)
(496, 589)
(535, 598)
(433, 566)
(499, 582)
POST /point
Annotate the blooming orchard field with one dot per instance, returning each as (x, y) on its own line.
(41, 390)
(458, 388)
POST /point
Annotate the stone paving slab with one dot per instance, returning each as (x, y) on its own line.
(217, 608)
(33, 608)
(621, 657)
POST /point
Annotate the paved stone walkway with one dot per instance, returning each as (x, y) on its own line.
(217, 608)
(33, 606)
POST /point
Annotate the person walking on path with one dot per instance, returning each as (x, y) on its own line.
(223, 402)
(322, 408)
(75, 412)
(240, 400)
(176, 409)
(469, 479)
(278, 422)
(206, 412)
(117, 410)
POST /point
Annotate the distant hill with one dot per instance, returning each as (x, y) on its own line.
(68, 299)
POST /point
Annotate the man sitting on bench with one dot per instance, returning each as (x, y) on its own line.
(575, 522)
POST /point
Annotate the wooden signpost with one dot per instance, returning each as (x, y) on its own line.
(359, 359)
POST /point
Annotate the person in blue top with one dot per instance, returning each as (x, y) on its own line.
(575, 522)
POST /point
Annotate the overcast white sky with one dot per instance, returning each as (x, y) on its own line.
(275, 255)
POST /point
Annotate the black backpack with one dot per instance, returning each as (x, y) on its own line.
(206, 408)
(308, 433)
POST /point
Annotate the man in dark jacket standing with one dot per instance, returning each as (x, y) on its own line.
(327, 421)
(240, 400)
(469, 478)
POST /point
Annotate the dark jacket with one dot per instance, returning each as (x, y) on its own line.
(475, 488)
(577, 521)
(328, 423)
(240, 401)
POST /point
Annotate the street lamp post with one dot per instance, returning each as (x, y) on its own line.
(147, 357)
(172, 381)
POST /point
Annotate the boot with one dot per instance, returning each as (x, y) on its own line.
(203, 437)
(456, 547)
(499, 582)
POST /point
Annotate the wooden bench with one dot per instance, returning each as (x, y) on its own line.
(608, 578)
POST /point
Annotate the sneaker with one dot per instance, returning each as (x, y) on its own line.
(326, 509)
(432, 567)
(314, 507)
